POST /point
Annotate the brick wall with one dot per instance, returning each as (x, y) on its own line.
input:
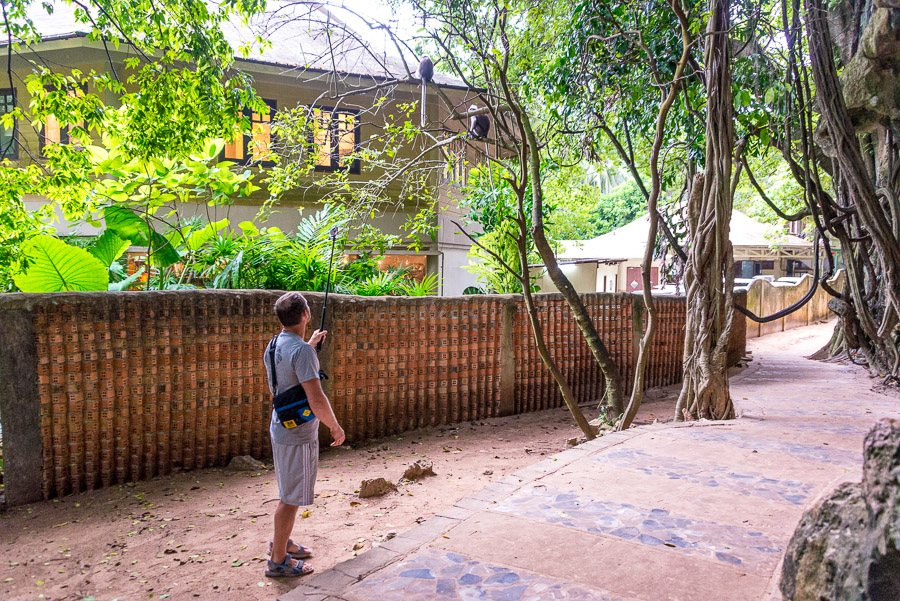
(105, 388)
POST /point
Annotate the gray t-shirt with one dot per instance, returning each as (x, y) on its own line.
(295, 362)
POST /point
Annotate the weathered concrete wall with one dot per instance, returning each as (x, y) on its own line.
(19, 411)
(794, 294)
(765, 299)
(754, 304)
(103, 388)
(772, 302)
(738, 344)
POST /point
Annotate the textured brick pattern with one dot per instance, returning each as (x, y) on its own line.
(535, 388)
(400, 364)
(667, 349)
(134, 385)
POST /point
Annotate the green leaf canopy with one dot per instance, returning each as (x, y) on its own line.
(54, 266)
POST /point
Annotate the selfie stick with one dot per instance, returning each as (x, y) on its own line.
(334, 232)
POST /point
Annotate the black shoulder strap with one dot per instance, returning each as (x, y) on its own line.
(272, 345)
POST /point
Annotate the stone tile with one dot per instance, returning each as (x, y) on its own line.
(549, 466)
(331, 581)
(370, 561)
(566, 457)
(767, 462)
(435, 574)
(430, 528)
(621, 568)
(494, 492)
(400, 544)
(528, 474)
(726, 480)
(511, 479)
(746, 440)
(652, 527)
(455, 513)
(304, 592)
(473, 504)
(607, 483)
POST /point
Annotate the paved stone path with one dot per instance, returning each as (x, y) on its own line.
(699, 511)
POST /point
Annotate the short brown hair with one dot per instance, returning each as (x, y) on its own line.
(291, 308)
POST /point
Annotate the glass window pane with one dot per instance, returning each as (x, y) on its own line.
(322, 138)
(347, 136)
(51, 131)
(7, 144)
(260, 145)
(234, 150)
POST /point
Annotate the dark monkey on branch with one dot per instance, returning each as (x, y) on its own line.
(426, 74)
(479, 125)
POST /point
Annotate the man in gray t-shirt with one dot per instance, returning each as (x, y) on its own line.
(296, 450)
(295, 361)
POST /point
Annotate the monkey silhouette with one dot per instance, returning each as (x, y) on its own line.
(479, 125)
(425, 72)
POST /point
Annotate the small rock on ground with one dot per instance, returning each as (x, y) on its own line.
(419, 469)
(245, 463)
(375, 487)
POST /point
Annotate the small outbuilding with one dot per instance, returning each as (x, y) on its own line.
(612, 262)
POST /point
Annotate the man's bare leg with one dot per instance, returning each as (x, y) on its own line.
(285, 515)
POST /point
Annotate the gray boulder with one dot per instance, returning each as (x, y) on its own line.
(847, 546)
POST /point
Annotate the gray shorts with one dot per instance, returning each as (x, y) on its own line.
(296, 467)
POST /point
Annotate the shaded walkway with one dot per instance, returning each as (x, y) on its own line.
(694, 511)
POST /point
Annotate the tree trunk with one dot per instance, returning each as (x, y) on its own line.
(709, 273)
(566, 390)
(538, 331)
(640, 364)
(865, 103)
(615, 393)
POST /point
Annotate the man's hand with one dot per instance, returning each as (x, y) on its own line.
(317, 336)
(338, 435)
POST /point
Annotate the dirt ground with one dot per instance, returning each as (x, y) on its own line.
(203, 534)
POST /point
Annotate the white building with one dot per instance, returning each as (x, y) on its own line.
(612, 262)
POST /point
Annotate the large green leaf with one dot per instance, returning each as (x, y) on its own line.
(54, 266)
(163, 252)
(109, 247)
(127, 225)
(198, 238)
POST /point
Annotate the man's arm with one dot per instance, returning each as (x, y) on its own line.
(320, 406)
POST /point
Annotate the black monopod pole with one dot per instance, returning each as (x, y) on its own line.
(334, 232)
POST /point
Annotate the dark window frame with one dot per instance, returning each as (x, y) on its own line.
(354, 168)
(247, 137)
(14, 147)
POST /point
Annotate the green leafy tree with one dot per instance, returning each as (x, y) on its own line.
(178, 90)
(581, 211)
(492, 259)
